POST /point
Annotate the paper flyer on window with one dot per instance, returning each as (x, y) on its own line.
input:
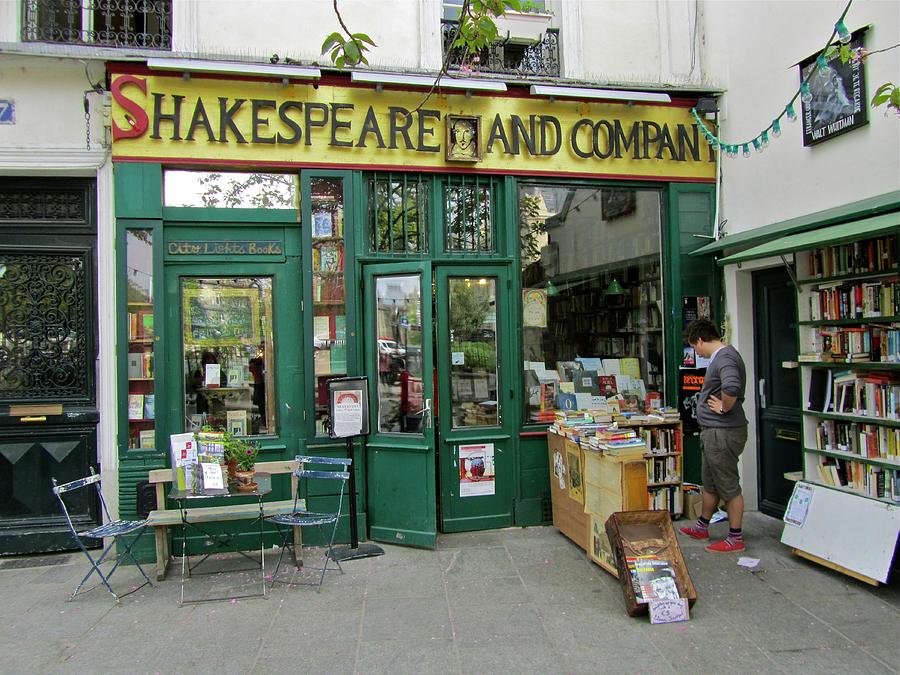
(476, 470)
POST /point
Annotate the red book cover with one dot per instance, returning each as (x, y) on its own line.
(607, 385)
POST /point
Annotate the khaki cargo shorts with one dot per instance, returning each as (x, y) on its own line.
(722, 446)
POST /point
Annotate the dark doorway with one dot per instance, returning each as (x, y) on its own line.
(778, 387)
(48, 351)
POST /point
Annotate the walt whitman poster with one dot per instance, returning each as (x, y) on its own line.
(838, 92)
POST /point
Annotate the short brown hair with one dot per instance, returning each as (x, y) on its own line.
(701, 329)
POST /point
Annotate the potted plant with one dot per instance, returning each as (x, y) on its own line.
(524, 26)
(240, 456)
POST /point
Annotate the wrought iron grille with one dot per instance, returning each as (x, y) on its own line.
(44, 327)
(110, 23)
(67, 205)
(468, 214)
(537, 60)
(398, 213)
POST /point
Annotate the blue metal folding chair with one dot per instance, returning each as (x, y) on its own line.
(300, 517)
(111, 528)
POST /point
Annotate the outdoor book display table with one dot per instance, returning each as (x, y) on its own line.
(587, 486)
(183, 497)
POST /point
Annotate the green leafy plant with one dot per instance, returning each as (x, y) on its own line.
(349, 51)
(239, 452)
(888, 93)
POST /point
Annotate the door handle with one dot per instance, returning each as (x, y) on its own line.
(761, 390)
(426, 414)
(34, 418)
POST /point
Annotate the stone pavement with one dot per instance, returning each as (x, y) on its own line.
(507, 601)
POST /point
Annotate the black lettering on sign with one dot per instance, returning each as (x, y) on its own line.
(226, 119)
(200, 118)
(310, 122)
(290, 122)
(257, 106)
(174, 117)
(370, 126)
(224, 248)
(498, 133)
(337, 124)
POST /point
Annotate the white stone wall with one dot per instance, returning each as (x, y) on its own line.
(751, 49)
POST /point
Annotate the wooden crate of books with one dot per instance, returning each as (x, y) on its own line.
(567, 489)
(648, 558)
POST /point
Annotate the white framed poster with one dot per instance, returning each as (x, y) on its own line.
(348, 400)
(476, 470)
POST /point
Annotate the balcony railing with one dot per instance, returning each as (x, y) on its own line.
(146, 24)
(540, 59)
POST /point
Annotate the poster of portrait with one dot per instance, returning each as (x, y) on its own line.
(837, 101)
(476, 470)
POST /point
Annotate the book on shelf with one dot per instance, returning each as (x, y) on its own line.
(147, 439)
(149, 406)
(135, 406)
(323, 224)
(236, 422)
(212, 375)
(234, 376)
(819, 390)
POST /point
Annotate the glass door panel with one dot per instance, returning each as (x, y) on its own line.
(398, 347)
(473, 351)
(328, 292)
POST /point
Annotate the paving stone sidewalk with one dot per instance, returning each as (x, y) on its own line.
(507, 601)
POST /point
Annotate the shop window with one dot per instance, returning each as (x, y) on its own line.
(468, 214)
(229, 369)
(146, 24)
(473, 351)
(398, 321)
(329, 309)
(592, 302)
(230, 190)
(398, 214)
(141, 332)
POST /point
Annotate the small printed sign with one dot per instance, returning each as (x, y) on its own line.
(669, 610)
(798, 506)
(7, 112)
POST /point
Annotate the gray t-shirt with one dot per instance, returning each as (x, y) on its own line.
(725, 374)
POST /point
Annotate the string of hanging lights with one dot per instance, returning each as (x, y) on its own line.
(761, 141)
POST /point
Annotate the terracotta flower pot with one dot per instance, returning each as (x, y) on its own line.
(244, 481)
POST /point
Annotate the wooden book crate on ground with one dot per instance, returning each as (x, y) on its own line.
(647, 533)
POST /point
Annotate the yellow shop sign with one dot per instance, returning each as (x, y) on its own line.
(255, 123)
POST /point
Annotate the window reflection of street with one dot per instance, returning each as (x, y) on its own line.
(398, 353)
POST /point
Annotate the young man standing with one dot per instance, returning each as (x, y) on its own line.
(723, 433)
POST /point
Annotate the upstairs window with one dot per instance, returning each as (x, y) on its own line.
(110, 23)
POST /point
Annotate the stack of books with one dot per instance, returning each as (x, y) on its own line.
(618, 442)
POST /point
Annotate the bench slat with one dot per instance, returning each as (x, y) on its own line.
(211, 514)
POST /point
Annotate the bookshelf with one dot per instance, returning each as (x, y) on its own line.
(849, 332)
(625, 323)
(140, 335)
(328, 289)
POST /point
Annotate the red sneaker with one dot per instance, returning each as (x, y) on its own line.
(726, 546)
(695, 533)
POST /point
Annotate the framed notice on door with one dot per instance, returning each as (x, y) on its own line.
(348, 403)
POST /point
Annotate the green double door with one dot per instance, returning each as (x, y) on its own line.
(437, 343)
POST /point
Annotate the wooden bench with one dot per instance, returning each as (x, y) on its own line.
(162, 519)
